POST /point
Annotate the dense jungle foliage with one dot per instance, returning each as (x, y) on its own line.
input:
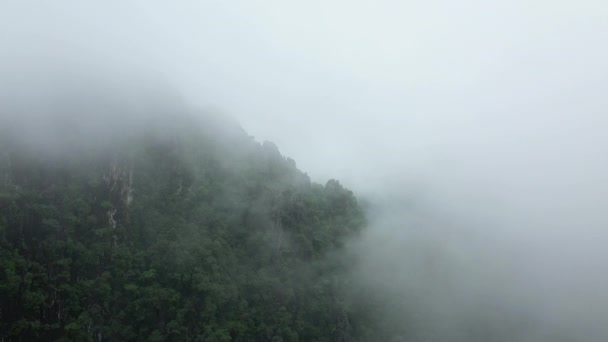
(169, 228)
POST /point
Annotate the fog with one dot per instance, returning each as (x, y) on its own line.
(474, 131)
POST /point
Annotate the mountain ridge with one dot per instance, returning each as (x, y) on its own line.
(173, 226)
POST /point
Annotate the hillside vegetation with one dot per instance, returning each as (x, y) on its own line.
(172, 226)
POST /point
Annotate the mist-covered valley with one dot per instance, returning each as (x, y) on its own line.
(328, 171)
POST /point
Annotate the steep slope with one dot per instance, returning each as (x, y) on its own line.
(126, 222)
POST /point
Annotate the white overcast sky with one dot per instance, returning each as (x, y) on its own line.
(359, 90)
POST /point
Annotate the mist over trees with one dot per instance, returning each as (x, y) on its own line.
(123, 223)
(136, 205)
(129, 215)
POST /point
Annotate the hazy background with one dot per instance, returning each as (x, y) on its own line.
(476, 129)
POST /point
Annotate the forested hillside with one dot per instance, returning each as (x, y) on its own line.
(172, 227)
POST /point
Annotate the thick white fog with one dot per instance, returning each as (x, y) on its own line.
(476, 130)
